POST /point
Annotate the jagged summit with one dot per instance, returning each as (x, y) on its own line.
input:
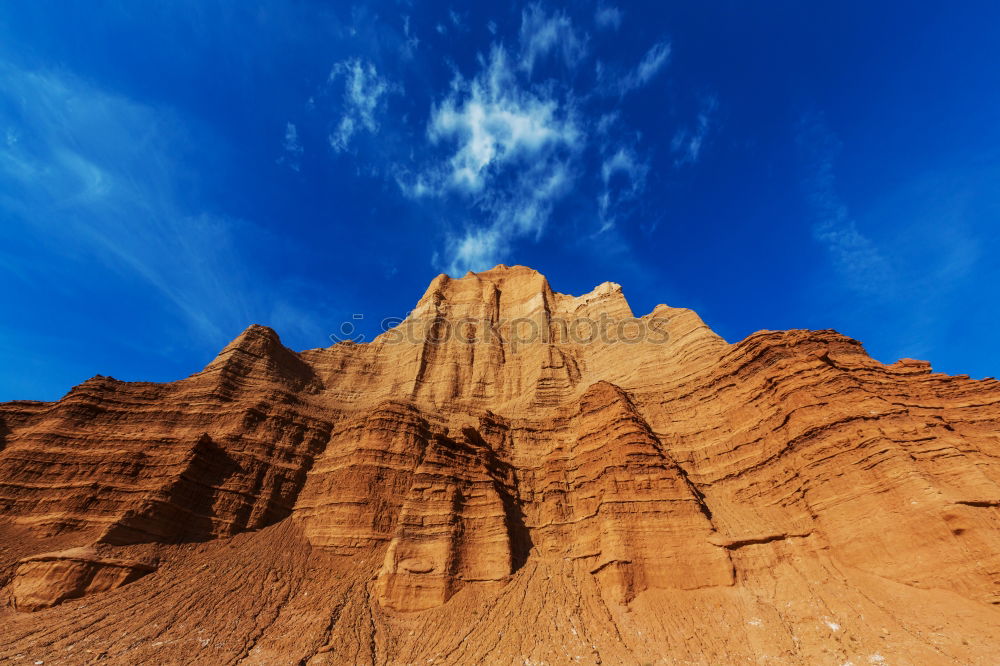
(518, 291)
(503, 335)
(511, 475)
(257, 354)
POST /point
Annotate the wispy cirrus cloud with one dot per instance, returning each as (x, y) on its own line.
(543, 33)
(688, 142)
(97, 186)
(862, 265)
(364, 95)
(623, 178)
(292, 156)
(410, 40)
(519, 212)
(608, 17)
(494, 122)
(457, 20)
(93, 170)
(507, 146)
(904, 258)
(509, 153)
(621, 83)
(508, 142)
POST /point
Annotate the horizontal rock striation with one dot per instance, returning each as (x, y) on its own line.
(42, 581)
(509, 475)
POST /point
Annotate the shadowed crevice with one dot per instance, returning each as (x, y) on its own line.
(505, 483)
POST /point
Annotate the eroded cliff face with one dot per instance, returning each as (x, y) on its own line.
(510, 475)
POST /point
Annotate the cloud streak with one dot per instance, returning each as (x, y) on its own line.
(508, 143)
(857, 259)
(508, 154)
(495, 123)
(655, 59)
(688, 142)
(365, 91)
(607, 17)
(623, 178)
(293, 148)
(543, 33)
(95, 183)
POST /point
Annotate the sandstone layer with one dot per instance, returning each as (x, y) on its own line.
(511, 475)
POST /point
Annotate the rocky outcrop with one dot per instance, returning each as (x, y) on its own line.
(614, 499)
(48, 579)
(510, 474)
(459, 523)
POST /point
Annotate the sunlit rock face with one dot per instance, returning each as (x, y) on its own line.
(509, 475)
(45, 580)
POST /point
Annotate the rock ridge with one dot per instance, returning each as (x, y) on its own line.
(485, 483)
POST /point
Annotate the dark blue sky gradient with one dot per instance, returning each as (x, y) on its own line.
(779, 165)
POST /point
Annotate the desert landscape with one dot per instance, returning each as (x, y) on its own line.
(501, 480)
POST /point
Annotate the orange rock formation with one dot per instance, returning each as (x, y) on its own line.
(511, 475)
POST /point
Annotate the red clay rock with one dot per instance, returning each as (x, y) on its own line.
(512, 475)
(45, 580)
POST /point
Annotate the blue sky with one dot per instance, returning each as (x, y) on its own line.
(172, 172)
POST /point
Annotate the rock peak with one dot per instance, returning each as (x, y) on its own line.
(516, 290)
(531, 477)
(256, 353)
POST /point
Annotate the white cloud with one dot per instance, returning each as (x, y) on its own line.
(607, 121)
(293, 149)
(475, 249)
(94, 182)
(862, 265)
(652, 62)
(410, 41)
(623, 175)
(521, 212)
(526, 209)
(504, 148)
(623, 171)
(688, 142)
(623, 161)
(655, 59)
(495, 122)
(364, 93)
(607, 17)
(509, 153)
(542, 33)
